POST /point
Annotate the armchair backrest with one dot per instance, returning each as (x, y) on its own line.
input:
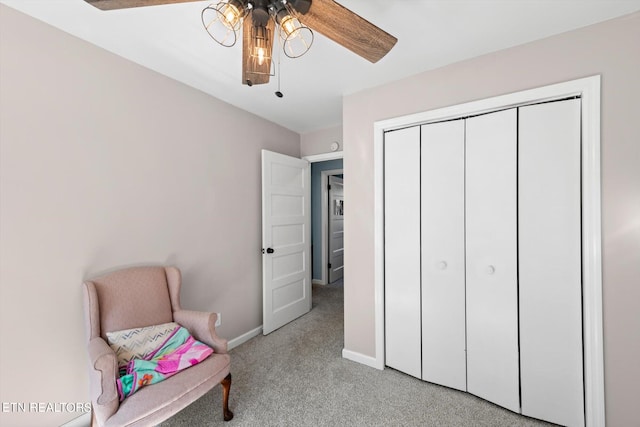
(132, 298)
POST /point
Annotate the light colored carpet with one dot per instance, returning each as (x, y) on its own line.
(296, 377)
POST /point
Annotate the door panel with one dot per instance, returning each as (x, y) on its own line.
(491, 270)
(443, 281)
(288, 235)
(550, 262)
(336, 228)
(402, 250)
(286, 232)
(287, 205)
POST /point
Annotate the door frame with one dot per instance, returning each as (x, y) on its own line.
(314, 159)
(324, 178)
(589, 90)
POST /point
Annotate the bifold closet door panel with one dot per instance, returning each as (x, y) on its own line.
(402, 250)
(443, 303)
(491, 250)
(550, 262)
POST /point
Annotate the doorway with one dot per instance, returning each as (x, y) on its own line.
(326, 218)
(286, 234)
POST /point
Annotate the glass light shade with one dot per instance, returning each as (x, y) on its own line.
(223, 21)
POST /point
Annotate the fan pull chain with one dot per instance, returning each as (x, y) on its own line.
(279, 69)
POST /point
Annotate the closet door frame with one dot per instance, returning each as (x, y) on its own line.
(588, 89)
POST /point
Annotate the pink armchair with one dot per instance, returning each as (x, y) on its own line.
(138, 297)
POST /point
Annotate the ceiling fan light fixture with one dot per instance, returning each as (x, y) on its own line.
(297, 38)
(261, 49)
(259, 20)
(233, 13)
(223, 21)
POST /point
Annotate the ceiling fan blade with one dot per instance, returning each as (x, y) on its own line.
(253, 74)
(125, 4)
(348, 29)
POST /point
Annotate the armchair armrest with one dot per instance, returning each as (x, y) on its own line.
(103, 375)
(202, 326)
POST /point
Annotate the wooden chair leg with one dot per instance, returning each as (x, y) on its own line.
(226, 386)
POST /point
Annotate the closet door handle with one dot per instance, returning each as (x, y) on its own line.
(442, 265)
(490, 269)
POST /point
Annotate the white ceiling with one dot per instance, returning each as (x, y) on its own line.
(171, 40)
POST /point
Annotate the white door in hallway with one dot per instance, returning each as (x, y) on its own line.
(286, 239)
(336, 228)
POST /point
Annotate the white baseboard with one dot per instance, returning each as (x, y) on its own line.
(83, 420)
(317, 282)
(244, 338)
(362, 358)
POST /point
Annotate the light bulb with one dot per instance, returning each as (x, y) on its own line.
(260, 56)
(288, 25)
(232, 15)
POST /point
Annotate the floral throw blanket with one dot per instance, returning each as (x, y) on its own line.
(179, 351)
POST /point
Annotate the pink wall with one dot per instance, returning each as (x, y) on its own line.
(611, 49)
(319, 142)
(104, 164)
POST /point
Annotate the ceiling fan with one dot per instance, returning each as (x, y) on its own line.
(260, 20)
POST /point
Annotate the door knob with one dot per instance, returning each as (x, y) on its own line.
(491, 269)
(270, 250)
(442, 265)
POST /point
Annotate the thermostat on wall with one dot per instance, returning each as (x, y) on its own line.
(334, 146)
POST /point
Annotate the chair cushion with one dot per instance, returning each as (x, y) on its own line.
(138, 343)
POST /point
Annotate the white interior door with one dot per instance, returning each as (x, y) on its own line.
(550, 262)
(443, 261)
(402, 250)
(491, 270)
(286, 239)
(336, 228)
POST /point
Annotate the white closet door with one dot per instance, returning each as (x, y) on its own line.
(402, 249)
(443, 294)
(550, 262)
(491, 272)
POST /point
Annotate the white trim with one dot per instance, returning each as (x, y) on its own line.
(324, 176)
(83, 420)
(324, 157)
(378, 240)
(589, 90)
(362, 358)
(542, 94)
(317, 282)
(592, 255)
(244, 338)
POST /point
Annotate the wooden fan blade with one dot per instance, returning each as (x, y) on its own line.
(125, 4)
(263, 73)
(348, 29)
